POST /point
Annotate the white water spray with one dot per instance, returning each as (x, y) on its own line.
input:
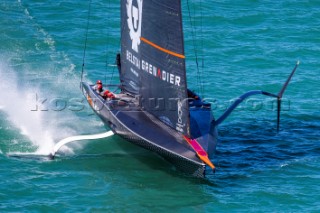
(18, 104)
(35, 69)
(42, 127)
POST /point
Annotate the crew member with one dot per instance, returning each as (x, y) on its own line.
(98, 87)
(107, 94)
(104, 93)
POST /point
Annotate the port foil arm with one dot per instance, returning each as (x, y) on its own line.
(238, 101)
(258, 92)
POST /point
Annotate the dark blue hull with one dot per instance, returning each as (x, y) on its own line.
(143, 129)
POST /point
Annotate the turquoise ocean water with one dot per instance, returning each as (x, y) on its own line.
(240, 45)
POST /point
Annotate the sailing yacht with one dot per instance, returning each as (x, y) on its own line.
(154, 108)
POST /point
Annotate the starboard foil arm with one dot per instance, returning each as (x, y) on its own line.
(64, 141)
(257, 92)
(60, 144)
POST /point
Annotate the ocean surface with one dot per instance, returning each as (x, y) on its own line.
(239, 45)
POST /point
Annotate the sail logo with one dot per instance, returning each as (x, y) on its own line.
(134, 12)
(179, 124)
(160, 74)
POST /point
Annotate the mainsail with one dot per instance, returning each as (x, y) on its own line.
(153, 61)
